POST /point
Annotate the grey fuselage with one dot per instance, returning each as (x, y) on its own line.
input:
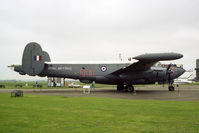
(102, 73)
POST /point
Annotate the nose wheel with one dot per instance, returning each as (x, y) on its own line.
(171, 88)
(129, 88)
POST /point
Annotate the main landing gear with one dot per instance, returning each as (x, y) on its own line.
(128, 88)
(120, 87)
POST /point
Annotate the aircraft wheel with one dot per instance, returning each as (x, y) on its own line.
(129, 88)
(171, 88)
(120, 87)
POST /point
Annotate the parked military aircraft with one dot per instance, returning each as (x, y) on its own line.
(197, 71)
(183, 80)
(35, 61)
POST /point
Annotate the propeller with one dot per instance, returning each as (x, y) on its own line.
(169, 66)
(169, 72)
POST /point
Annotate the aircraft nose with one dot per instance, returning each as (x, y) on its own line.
(179, 72)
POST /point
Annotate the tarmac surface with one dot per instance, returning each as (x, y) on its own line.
(151, 92)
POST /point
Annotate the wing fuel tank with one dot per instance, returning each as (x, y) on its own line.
(158, 57)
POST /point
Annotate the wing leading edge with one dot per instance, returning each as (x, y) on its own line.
(145, 61)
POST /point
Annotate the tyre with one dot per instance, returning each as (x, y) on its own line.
(171, 88)
(129, 88)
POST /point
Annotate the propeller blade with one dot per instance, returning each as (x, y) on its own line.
(169, 72)
(169, 66)
(169, 78)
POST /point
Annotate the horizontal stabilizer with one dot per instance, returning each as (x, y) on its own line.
(158, 57)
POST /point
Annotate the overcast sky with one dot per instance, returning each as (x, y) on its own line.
(98, 30)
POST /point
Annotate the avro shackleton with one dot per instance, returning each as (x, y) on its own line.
(35, 61)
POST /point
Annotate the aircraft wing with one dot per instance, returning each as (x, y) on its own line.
(145, 61)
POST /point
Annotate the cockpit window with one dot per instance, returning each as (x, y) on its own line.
(158, 64)
(179, 65)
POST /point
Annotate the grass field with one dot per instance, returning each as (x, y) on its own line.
(58, 114)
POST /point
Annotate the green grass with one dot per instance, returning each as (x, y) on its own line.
(58, 114)
(194, 83)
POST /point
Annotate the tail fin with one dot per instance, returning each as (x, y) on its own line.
(33, 59)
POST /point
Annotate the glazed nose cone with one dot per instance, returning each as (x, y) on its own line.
(180, 71)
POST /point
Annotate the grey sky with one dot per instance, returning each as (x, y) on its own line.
(86, 30)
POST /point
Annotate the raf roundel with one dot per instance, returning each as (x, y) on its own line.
(103, 68)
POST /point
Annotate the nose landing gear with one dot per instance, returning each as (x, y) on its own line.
(171, 88)
(129, 88)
